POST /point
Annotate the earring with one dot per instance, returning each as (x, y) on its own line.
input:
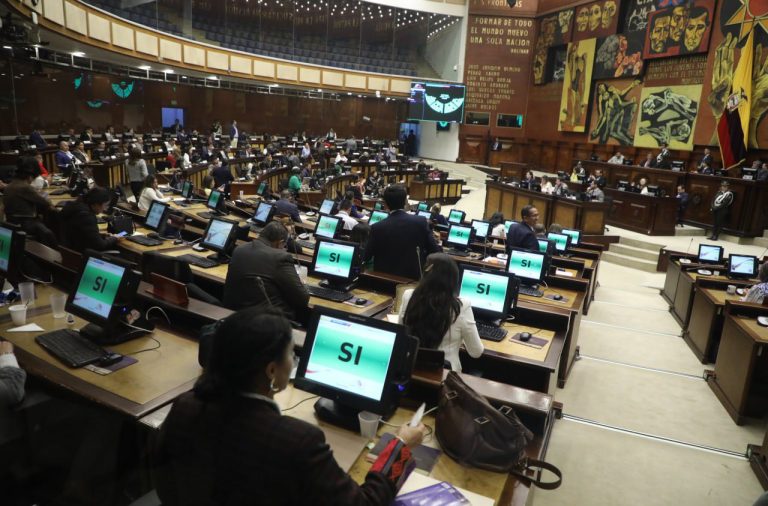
(272, 386)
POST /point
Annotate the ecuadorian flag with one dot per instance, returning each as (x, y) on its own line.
(733, 127)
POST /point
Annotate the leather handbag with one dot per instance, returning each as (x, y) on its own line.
(120, 223)
(474, 433)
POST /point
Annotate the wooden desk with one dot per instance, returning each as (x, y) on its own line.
(673, 271)
(706, 321)
(758, 460)
(436, 190)
(156, 379)
(740, 378)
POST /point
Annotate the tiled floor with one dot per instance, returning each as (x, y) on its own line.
(640, 378)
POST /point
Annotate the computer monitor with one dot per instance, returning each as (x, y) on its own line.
(377, 216)
(629, 161)
(482, 228)
(575, 235)
(326, 207)
(748, 173)
(423, 206)
(328, 226)
(262, 189)
(157, 216)
(459, 236)
(653, 190)
(103, 296)
(216, 202)
(263, 214)
(12, 241)
(742, 266)
(622, 185)
(492, 293)
(378, 206)
(456, 216)
(187, 190)
(546, 246)
(219, 236)
(677, 165)
(530, 266)
(562, 241)
(354, 363)
(337, 262)
(508, 224)
(424, 214)
(710, 254)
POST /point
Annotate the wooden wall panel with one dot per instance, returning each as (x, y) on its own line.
(76, 18)
(98, 28)
(122, 36)
(240, 65)
(53, 10)
(217, 60)
(146, 43)
(170, 50)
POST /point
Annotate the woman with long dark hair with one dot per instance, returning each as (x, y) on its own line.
(496, 225)
(228, 442)
(434, 313)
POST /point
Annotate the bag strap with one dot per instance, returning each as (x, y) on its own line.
(529, 465)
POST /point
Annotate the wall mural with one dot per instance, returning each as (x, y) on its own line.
(614, 111)
(668, 115)
(597, 19)
(636, 15)
(679, 29)
(556, 29)
(576, 86)
(619, 56)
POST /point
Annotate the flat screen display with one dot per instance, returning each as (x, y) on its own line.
(261, 189)
(543, 245)
(526, 265)
(326, 226)
(481, 228)
(508, 224)
(186, 190)
(423, 206)
(261, 215)
(742, 266)
(170, 115)
(485, 290)
(334, 259)
(377, 216)
(155, 215)
(459, 236)
(217, 234)
(436, 102)
(456, 216)
(561, 241)
(214, 199)
(326, 206)
(98, 287)
(709, 253)
(350, 356)
(575, 235)
(6, 237)
(425, 214)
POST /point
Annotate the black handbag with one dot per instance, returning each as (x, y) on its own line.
(474, 433)
(120, 223)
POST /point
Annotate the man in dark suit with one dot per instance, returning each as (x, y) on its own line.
(522, 235)
(682, 203)
(262, 271)
(663, 159)
(399, 244)
(36, 139)
(705, 160)
(286, 206)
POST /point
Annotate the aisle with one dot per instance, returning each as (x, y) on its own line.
(641, 427)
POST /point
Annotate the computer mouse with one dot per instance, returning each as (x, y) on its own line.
(704, 272)
(762, 320)
(197, 247)
(360, 301)
(304, 236)
(740, 291)
(557, 296)
(178, 241)
(109, 359)
(524, 336)
(153, 235)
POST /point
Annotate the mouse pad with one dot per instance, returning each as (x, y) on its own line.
(564, 300)
(533, 342)
(351, 302)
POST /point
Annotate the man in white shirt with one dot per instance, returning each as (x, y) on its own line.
(344, 208)
(341, 157)
(617, 159)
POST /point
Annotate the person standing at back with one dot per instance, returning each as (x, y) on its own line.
(399, 243)
(136, 169)
(522, 234)
(721, 209)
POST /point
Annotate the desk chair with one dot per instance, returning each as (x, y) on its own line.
(178, 270)
(399, 291)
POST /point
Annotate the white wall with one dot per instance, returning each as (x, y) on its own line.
(443, 52)
(438, 145)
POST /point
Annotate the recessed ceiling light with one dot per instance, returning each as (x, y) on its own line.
(7, 47)
(145, 67)
(168, 71)
(79, 54)
(213, 78)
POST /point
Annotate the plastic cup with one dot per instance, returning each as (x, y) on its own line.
(58, 304)
(18, 314)
(27, 292)
(731, 289)
(242, 195)
(369, 424)
(301, 270)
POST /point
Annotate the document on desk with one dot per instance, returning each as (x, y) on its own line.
(418, 481)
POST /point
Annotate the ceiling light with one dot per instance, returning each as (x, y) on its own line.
(168, 71)
(145, 67)
(7, 47)
(213, 78)
(79, 54)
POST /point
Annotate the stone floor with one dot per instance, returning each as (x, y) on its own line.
(641, 427)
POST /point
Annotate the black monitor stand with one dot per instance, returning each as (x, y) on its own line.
(342, 415)
(339, 286)
(530, 289)
(219, 257)
(111, 335)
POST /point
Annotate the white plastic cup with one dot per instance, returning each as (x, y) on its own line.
(58, 304)
(369, 424)
(731, 289)
(27, 292)
(18, 314)
(242, 195)
(301, 270)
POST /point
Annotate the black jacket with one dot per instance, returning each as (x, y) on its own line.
(81, 230)
(393, 244)
(520, 235)
(275, 267)
(288, 208)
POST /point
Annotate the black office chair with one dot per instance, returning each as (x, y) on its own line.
(178, 270)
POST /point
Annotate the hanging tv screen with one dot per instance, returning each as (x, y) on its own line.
(436, 102)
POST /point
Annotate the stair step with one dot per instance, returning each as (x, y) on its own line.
(688, 231)
(637, 243)
(631, 251)
(761, 241)
(628, 261)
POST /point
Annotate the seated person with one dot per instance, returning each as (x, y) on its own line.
(373, 183)
(207, 185)
(595, 193)
(150, 193)
(546, 186)
(80, 227)
(65, 159)
(435, 215)
(79, 152)
(561, 188)
(262, 272)
(642, 186)
(649, 162)
(598, 178)
(617, 159)
(762, 174)
(227, 442)
(555, 228)
(100, 151)
(294, 183)
(540, 231)
(12, 377)
(758, 292)
(287, 207)
(221, 174)
(434, 313)
(398, 244)
(356, 188)
(23, 204)
(353, 212)
(522, 234)
(496, 225)
(344, 209)
(577, 172)
(528, 181)
(704, 168)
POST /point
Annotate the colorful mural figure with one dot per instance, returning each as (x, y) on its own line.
(668, 115)
(614, 113)
(576, 88)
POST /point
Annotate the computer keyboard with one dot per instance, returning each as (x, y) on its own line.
(144, 240)
(328, 293)
(490, 332)
(530, 290)
(205, 263)
(70, 347)
(305, 244)
(60, 191)
(457, 253)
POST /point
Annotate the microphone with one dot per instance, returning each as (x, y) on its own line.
(263, 290)
(418, 261)
(687, 251)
